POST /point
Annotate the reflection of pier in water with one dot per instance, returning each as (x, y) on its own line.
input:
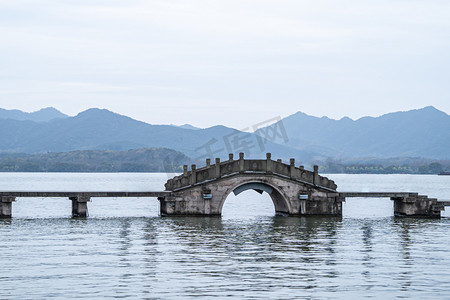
(202, 192)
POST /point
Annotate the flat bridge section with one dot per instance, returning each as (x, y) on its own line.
(405, 203)
(392, 195)
(79, 199)
(63, 194)
(377, 194)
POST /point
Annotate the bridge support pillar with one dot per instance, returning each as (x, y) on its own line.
(417, 207)
(6, 206)
(172, 206)
(79, 206)
(324, 206)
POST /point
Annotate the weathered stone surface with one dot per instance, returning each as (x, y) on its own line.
(285, 194)
(203, 191)
(6, 206)
(79, 206)
(417, 206)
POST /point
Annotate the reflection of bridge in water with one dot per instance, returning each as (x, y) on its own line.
(293, 190)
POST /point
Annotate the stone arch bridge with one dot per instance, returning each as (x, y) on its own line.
(294, 190)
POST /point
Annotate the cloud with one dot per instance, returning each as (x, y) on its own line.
(324, 57)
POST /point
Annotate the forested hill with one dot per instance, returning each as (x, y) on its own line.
(139, 160)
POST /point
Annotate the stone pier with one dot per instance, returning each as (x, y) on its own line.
(79, 206)
(417, 206)
(6, 206)
(325, 205)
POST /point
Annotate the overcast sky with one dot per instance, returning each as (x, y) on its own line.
(227, 62)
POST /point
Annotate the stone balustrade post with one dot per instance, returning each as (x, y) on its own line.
(193, 178)
(217, 165)
(269, 164)
(292, 168)
(241, 162)
(316, 179)
(208, 162)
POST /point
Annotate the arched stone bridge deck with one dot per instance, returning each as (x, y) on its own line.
(294, 190)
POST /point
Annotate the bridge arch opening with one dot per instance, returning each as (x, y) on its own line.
(242, 201)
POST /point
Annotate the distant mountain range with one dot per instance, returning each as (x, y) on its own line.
(43, 115)
(100, 129)
(416, 133)
(187, 126)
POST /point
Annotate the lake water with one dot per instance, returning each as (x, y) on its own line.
(125, 250)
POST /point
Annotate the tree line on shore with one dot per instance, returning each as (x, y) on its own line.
(136, 160)
(434, 167)
(168, 161)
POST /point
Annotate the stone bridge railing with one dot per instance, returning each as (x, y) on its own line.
(257, 166)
